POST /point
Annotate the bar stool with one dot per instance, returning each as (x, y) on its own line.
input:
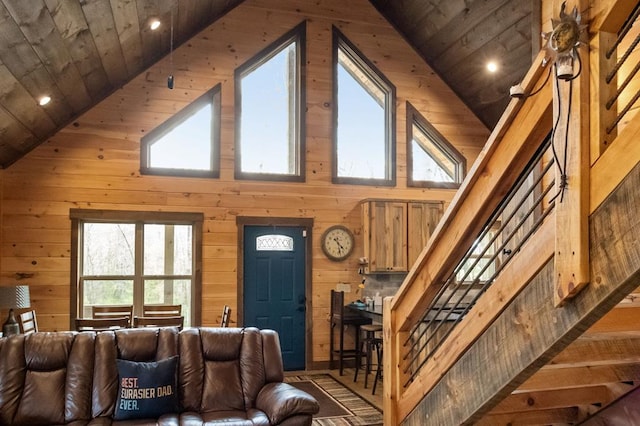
(377, 343)
(367, 346)
(339, 320)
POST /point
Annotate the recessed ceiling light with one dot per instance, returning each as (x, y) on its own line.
(44, 100)
(155, 24)
(492, 66)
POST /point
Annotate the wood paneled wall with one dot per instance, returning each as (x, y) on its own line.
(94, 162)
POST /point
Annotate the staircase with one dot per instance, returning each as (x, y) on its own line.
(512, 312)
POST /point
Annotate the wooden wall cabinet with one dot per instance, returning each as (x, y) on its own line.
(395, 232)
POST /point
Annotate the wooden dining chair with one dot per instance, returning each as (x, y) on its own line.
(28, 322)
(162, 321)
(226, 315)
(161, 310)
(98, 324)
(112, 311)
(340, 320)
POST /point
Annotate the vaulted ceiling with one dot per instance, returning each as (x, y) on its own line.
(458, 38)
(79, 51)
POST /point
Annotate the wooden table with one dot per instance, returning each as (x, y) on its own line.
(375, 312)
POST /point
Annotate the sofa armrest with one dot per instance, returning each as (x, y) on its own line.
(281, 400)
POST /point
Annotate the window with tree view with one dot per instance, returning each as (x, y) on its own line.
(138, 262)
(364, 112)
(269, 119)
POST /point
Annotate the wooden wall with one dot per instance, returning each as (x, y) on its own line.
(94, 162)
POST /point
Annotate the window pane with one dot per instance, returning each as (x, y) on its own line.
(433, 161)
(167, 249)
(483, 268)
(361, 124)
(163, 272)
(188, 143)
(426, 168)
(106, 292)
(109, 249)
(274, 243)
(268, 126)
(186, 146)
(170, 292)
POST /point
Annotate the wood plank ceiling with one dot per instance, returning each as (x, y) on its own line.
(79, 51)
(458, 38)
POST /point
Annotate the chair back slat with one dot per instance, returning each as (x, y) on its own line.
(226, 314)
(161, 321)
(337, 304)
(28, 322)
(97, 324)
(162, 310)
(112, 311)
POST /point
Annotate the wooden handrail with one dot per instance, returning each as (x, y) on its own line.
(508, 149)
(512, 279)
(481, 182)
(511, 146)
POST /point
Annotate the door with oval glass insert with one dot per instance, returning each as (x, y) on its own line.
(274, 287)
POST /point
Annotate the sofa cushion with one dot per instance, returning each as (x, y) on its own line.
(250, 417)
(210, 367)
(45, 378)
(146, 389)
(135, 344)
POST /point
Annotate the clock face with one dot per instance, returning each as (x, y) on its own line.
(337, 242)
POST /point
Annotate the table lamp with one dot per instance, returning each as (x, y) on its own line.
(13, 297)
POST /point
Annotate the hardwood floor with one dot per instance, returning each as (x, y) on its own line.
(347, 380)
(358, 387)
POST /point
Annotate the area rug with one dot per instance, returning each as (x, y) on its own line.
(339, 406)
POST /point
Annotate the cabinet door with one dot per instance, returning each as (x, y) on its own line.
(388, 236)
(422, 218)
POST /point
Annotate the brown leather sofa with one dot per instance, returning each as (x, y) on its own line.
(232, 376)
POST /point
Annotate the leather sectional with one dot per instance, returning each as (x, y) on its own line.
(230, 376)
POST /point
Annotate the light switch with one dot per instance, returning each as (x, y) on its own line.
(343, 287)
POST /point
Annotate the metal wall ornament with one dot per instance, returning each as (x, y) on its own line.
(563, 41)
(561, 48)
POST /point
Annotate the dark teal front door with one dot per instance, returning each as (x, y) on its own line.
(274, 287)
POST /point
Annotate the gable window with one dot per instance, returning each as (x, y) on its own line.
(136, 258)
(432, 161)
(188, 144)
(363, 119)
(269, 112)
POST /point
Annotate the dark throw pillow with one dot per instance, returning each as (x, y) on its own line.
(146, 390)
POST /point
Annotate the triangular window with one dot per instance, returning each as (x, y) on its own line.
(432, 160)
(188, 143)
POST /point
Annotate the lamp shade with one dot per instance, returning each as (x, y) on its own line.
(15, 297)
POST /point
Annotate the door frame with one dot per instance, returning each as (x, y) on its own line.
(307, 225)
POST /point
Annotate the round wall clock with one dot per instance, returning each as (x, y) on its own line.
(337, 242)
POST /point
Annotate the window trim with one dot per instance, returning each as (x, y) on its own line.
(212, 96)
(414, 117)
(340, 41)
(78, 216)
(297, 35)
